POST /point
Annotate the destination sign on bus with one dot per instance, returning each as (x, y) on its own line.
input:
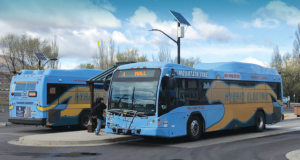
(136, 73)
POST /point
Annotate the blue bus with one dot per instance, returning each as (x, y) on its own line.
(52, 97)
(155, 99)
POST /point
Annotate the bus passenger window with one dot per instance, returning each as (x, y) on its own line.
(52, 90)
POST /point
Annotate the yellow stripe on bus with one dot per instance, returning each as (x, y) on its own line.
(26, 82)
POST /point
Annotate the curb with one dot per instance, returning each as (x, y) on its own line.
(293, 155)
(4, 124)
(294, 119)
(26, 142)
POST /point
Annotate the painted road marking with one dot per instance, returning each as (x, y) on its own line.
(296, 128)
(274, 126)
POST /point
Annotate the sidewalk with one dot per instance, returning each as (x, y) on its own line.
(75, 138)
(290, 116)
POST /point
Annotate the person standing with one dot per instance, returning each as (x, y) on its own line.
(100, 108)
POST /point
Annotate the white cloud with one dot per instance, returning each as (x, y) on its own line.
(201, 28)
(143, 16)
(281, 11)
(120, 37)
(227, 50)
(68, 65)
(266, 23)
(255, 61)
(208, 30)
(108, 6)
(42, 15)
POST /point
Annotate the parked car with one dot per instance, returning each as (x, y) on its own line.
(285, 100)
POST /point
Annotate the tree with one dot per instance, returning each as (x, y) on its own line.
(296, 52)
(276, 60)
(131, 55)
(164, 54)
(85, 65)
(290, 73)
(105, 56)
(18, 51)
(187, 61)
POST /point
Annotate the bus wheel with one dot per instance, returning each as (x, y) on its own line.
(84, 120)
(259, 122)
(194, 128)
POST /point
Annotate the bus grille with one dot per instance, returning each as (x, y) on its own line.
(20, 102)
(30, 103)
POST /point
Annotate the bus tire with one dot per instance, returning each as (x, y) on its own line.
(84, 120)
(259, 122)
(194, 128)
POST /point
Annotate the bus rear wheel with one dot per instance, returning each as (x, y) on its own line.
(259, 122)
(84, 120)
(194, 128)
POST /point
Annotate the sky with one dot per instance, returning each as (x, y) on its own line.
(220, 31)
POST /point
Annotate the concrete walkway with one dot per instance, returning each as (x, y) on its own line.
(75, 138)
(290, 116)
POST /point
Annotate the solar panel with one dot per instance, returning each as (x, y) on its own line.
(179, 18)
(40, 56)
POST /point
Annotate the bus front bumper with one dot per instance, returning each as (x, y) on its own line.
(27, 121)
(156, 132)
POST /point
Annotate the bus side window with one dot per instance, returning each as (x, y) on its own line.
(162, 100)
(203, 87)
(276, 88)
(278, 92)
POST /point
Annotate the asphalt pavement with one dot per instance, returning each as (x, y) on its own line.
(4, 115)
(241, 144)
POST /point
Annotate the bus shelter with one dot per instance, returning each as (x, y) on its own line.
(107, 74)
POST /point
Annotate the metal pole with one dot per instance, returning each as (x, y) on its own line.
(178, 46)
(39, 64)
(91, 125)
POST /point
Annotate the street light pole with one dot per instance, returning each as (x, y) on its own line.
(51, 59)
(178, 47)
(177, 42)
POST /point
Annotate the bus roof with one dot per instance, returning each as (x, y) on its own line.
(63, 73)
(237, 67)
(154, 65)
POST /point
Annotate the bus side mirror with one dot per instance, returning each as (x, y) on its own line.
(171, 83)
(105, 85)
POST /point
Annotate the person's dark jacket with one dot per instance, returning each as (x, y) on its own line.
(100, 108)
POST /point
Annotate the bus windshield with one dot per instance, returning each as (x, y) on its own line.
(135, 93)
